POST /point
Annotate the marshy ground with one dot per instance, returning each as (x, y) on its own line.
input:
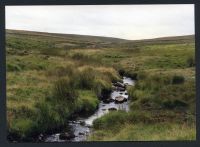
(52, 78)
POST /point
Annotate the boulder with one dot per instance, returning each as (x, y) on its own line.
(66, 136)
(120, 99)
(112, 109)
(112, 100)
(82, 123)
(107, 101)
(118, 84)
(105, 93)
(120, 89)
(41, 137)
(80, 133)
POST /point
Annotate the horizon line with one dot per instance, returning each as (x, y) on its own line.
(102, 36)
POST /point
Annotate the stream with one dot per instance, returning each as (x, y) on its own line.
(82, 127)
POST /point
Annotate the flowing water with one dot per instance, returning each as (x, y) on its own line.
(81, 127)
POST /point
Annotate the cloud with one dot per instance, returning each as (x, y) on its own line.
(121, 21)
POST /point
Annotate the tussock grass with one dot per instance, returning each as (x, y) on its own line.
(109, 72)
(64, 90)
(86, 77)
(153, 132)
(141, 126)
(86, 59)
(50, 77)
(101, 86)
(87, 102)
(166, 91)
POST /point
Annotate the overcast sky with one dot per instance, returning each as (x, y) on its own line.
(121, 21)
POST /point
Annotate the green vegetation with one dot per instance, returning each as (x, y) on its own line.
(162, 100)
(129, 131)
(53, 77)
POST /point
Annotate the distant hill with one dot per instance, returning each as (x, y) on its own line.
(86, 41)
(77, 37)
(169, 39)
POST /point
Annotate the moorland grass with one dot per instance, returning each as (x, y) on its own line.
(50, 77)
(147, 132)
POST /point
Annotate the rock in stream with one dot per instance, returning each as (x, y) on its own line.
(81, 127)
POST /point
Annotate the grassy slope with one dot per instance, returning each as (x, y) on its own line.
(47, 84)
(156, 64)
(35, 61)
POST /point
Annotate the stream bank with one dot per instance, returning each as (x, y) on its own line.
(80, 128)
